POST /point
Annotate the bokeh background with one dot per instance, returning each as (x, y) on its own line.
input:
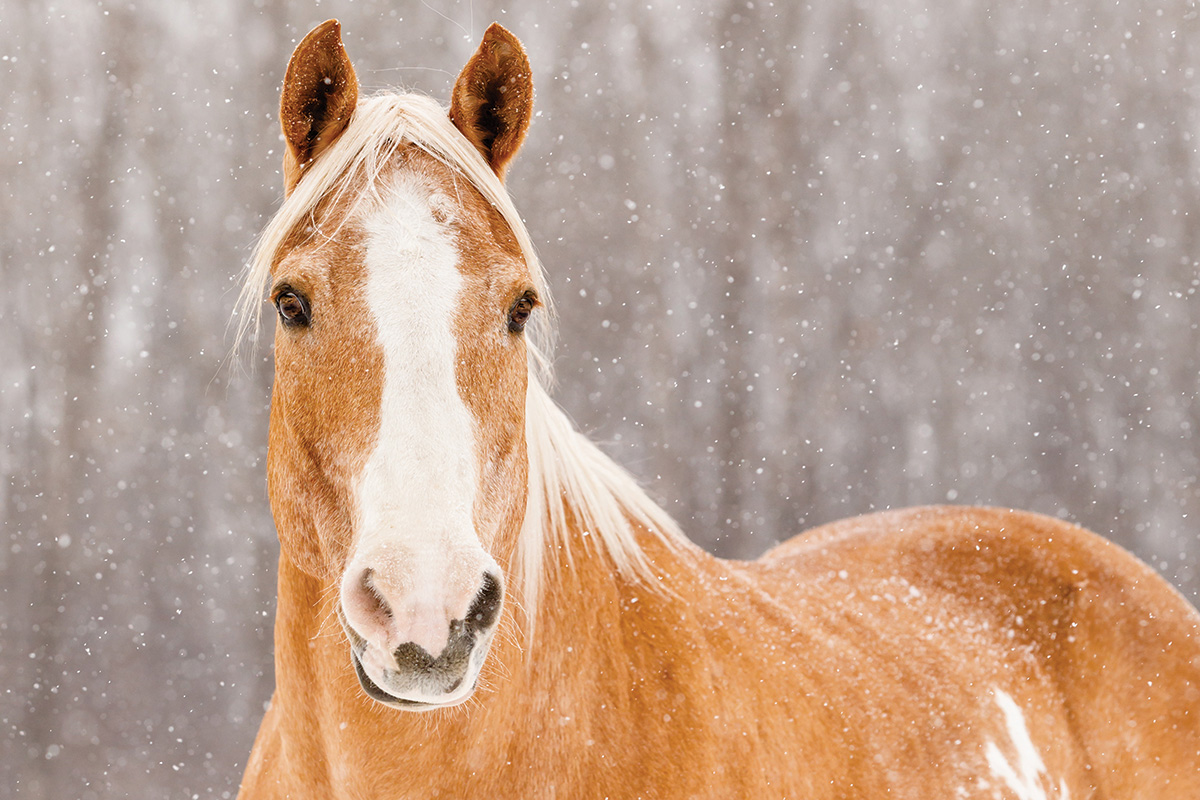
(812, 260)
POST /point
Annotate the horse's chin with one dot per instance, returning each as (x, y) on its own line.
(377, 693)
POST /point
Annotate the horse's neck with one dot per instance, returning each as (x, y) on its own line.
(600, 638)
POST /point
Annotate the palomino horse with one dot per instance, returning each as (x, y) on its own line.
(474, 602)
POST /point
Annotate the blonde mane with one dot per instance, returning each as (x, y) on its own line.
(570, 479)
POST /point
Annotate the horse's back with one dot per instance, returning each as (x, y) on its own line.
(1035, 602)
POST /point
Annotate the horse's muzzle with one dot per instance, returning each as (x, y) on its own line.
(411, 678)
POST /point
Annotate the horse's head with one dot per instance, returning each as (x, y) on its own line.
(398, 465)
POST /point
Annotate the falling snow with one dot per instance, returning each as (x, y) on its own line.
(811, 260)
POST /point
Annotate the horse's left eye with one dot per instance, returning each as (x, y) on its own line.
(293, 308)
(518, 315)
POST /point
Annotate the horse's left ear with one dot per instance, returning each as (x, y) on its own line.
(492, 101)
(320, 92)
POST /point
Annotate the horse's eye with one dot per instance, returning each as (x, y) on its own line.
(518, 315)
(293, 308)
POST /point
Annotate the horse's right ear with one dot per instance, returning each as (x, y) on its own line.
(320, 92)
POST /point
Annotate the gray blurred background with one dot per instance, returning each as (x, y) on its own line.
(812, 260)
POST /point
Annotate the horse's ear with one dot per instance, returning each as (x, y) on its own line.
(492, 101)
(320, 92)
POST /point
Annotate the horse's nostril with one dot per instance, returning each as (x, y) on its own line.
(379, 604)
(486, 606)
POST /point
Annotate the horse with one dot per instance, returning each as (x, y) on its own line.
(475, 601)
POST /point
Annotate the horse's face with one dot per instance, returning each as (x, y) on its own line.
(397, 460)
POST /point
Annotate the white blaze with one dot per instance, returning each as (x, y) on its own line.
(416, 494)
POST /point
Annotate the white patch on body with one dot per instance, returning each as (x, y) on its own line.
(416, 495)
(1025, 777)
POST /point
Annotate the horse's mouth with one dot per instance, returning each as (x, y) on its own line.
(381, 695)
(375, 693)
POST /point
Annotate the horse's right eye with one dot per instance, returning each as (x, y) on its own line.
(293, 308)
